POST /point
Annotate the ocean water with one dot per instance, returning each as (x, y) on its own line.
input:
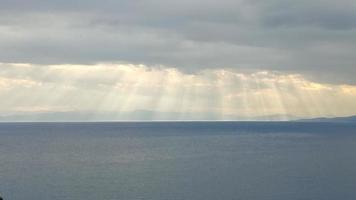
(178, 161)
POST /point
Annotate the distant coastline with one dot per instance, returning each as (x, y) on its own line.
(150, 116)
(333, 119)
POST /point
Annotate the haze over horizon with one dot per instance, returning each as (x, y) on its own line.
(177, 60)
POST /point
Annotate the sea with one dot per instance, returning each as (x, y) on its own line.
(178, 161)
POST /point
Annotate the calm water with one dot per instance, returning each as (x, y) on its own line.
(178, 161)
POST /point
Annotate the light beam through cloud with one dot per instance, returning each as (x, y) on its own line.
(128, 91)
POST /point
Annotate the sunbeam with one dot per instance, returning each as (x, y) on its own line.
(127, 91)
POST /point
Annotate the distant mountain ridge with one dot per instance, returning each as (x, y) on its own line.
(146, 115)
(137, 115)
(331, 119)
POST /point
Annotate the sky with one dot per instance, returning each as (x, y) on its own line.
(177, 60)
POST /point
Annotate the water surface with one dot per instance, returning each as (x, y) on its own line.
(178, 161)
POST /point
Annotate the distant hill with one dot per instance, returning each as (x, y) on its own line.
(136, 115)
(333, 119)
(144, 115)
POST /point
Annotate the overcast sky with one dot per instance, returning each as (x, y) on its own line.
(273, 44)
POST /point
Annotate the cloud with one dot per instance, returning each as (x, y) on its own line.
(314, 38)
(317, 13)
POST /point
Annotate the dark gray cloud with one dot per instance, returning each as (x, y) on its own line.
(316, 38)
(317, 13)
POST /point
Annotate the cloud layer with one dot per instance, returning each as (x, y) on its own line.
(314, 38)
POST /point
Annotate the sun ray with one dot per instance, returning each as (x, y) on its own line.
(117, 91)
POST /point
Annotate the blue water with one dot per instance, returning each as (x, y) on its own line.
(178, 161)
